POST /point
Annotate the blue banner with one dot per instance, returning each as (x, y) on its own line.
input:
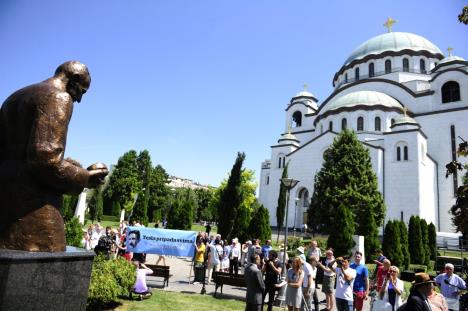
(161, 241)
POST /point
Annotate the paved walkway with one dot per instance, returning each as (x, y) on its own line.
(180, 282)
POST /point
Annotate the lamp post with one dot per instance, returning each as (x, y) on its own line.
(288, 183)
(295, 215)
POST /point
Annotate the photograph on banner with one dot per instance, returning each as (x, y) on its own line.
(161, 241)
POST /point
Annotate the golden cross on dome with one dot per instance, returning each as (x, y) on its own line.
(450, 49)
(389, 23)
(305, 86)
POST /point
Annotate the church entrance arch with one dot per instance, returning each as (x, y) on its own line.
(303, 201)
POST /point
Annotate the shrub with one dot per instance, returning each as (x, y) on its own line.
(73, 232)
(294, 242)
(109, 280)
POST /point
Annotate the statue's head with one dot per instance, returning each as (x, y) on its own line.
(77, 77)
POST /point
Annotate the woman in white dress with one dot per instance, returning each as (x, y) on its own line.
(294, 289)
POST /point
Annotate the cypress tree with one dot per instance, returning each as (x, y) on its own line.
(260, 223)
(432, 236)
(347, 178)
(341, 231)
(404, 244)
(425, 241)
(415, 241)
(391, 245)
(281, 208)
(230, 199)
(95, 205)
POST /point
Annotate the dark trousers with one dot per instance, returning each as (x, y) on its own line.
(253, 307)
(234, 265)
(271, 291)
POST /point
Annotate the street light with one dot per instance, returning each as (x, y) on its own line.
(288, 183)
(295, 215)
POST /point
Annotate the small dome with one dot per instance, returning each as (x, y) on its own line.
(449, 59)
(304, 94)
(288, 137)
(405, 119)
(392, 41)
(360, 98)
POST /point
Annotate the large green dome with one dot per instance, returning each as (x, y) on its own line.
(362, 98)
(392, 41)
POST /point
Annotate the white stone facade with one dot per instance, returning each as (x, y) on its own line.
(416, 104)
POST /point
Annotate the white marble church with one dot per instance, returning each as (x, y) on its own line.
(408, 104)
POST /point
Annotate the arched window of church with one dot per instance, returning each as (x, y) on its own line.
(344, 124)
(321, 128)
(398, 153)
(284, 161)
(268, 180)
(388, 66)
(377, 124)
(371, 70)
(281, 160)
(405, 153)
(450, 92)
(360, 124)
(304, 197)
(346, 78)
(405, 65)
(297, 119)
(422, 66)
(392, 121)
(356, 74)
(330, 126)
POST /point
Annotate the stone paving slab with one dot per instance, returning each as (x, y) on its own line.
(180, 282)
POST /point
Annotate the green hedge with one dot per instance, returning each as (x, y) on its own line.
(109, 280)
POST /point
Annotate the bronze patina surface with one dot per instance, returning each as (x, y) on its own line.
(33, 172)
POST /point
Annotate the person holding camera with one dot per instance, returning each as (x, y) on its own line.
(344, 284)
(272, 271)
(328, 283)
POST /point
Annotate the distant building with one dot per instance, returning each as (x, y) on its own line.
(178, 182)
(408, 104)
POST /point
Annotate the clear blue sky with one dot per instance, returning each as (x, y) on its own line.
(196, 81)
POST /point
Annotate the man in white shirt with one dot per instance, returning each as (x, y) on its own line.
(234, 257)
(308, 284)
(345, 277)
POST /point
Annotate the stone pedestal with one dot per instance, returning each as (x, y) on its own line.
(44, 281)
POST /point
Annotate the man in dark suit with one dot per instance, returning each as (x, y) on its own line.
(255, 285)
(422, 287)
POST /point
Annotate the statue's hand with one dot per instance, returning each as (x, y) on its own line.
(97, 173)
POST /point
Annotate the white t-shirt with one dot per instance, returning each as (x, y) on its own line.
(344, 288)
(307, 268)
(140, 284)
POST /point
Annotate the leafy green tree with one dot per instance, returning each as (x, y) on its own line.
(260, 223)
(73, 232)
(391, 245)
(140, 211)
(281, 208)
(95, 205)
(69, 206)
(417, 252)
(404, 244)
(230, 199)
(463, 16)
(124, 181)
(432, 237)
(347, 178)
(204, 197)
(342, 230)
(182, 209)
(160, 194)
(425, 240)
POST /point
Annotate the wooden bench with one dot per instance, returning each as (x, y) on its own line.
(161, 271)
(221, 278)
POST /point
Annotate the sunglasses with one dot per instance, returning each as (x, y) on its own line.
(392, 271)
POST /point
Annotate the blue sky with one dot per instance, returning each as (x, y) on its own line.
(196, 81)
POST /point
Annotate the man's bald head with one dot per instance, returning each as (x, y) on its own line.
(78, 78)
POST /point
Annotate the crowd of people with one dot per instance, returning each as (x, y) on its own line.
(346, 282)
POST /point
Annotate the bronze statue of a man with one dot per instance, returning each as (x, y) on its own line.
(33, 172)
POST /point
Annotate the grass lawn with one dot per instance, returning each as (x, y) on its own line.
(172, 301)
